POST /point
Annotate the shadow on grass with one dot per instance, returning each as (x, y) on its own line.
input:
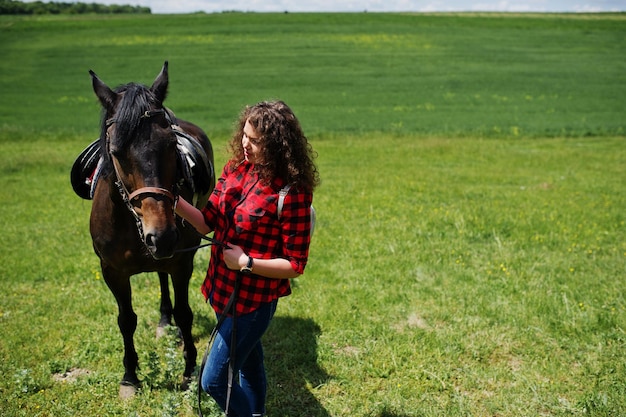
(290, 346)
(291, 362)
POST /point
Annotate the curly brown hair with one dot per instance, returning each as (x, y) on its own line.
(285, 151)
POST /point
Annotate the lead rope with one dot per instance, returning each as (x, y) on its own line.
(233, 347)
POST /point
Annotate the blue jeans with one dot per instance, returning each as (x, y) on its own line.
(247, 396)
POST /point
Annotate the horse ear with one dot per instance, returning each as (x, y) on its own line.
(106, 96)
(159, 87)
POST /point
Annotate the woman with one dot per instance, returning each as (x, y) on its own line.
(268, 152)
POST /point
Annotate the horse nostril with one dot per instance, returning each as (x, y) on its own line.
(150, 240)
(162, 245)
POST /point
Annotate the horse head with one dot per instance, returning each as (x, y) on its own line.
(139, 149)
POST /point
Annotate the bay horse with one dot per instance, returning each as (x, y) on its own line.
(133, 225)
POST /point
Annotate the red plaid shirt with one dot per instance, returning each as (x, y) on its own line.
(243, 211)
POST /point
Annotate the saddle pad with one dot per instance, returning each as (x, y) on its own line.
(84, 169)
(196, 168)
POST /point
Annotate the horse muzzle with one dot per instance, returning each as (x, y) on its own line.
(161, 244)
(157, 222)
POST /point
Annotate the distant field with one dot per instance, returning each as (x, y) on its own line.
(470, 246)
(453, 75)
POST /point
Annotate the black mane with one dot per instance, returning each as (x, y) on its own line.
(134, 100)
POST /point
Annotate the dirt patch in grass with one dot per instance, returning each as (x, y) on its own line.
(71, 375)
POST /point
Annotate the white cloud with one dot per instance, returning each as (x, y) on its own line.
(210, 6)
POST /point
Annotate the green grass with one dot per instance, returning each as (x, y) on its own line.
(476, 279)
(469, 251)
(456, 75)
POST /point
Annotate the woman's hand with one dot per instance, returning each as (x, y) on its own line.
(194, 216)
(234, 257)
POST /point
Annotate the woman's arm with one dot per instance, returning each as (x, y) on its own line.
(279, 268)
(192, 215)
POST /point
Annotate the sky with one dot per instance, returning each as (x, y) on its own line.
(213, 6)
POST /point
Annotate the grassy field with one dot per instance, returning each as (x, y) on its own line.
(470, 250)
(455, 75)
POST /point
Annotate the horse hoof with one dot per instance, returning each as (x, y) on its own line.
(185, 383)
(127, 391)
(164, 329)
(160, 331)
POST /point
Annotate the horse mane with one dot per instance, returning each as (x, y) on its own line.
(134, 100)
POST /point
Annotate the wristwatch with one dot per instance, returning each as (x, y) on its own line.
(248, 268)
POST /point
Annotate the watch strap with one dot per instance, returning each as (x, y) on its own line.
(248, 268)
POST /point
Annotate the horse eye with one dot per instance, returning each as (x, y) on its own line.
(163, 123)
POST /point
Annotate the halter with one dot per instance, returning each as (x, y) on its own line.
(142, 192)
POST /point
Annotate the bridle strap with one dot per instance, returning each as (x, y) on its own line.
(130, 197)
(150, 113)
(138, 193)
(168, 115)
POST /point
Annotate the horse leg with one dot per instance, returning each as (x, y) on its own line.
(119, 284)
(184, 318)
(166, 305)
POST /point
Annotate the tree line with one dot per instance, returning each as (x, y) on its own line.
(39, 7)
